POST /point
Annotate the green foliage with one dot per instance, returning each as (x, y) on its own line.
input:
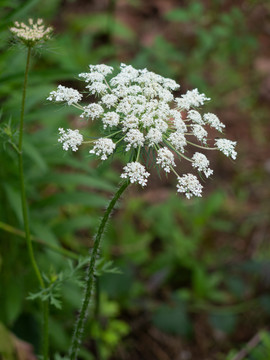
(173, 318)
(108, 330)
(54, 283)
(257, 349)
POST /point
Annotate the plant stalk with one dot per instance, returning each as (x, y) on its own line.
(12, 230)
(45, 307)
(90, 276)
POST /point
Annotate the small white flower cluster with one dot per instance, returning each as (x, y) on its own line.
(70, 139)
(136, 173)
(201, 163)
(227, 147)
(103, 147)
(135, 111)
(66, 94)
(189, 185)
(32, 33)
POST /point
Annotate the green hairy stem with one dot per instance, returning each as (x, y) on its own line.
(90, 275)
(45, 307)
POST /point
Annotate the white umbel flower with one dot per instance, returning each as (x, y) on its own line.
(161, 125)
(154, 136)
(92, 77)
(130, 122)
(92, 111)
(227, 147)
(180, 126)
(31, 33)
(192, 98)
(103, 147)
(135, 108)
(70, 139)
(126, 75)
(200, 133)
(170, 84)
(178, 140)
(189, 185)
(134, 138)
(136, 173)
(165, 95)
(201, 163)
(109, 100)
(101, 68)
(110, 119)
(213, 121)
(147, 120)
(69, 95)
(97, 88)
(195, 117)
(165, 158)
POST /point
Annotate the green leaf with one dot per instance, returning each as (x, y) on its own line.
(14, 199)
(13, 301)
(224, 322)
(193, 11)
(33, 153)
(77, 179)
(76, 197)
(173, 319)
(18, 12)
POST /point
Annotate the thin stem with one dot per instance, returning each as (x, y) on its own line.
(174, 171)
(78, 106)
(202, 147)
(25, 213)
(104, 137)
(138, 154)
(20, 233)
(177, 152)
(14, 146)
(120, 139)
(107, 84)
(90, 275)
(98, 342)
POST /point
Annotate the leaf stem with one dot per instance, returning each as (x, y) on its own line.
(45, 308)
(57, 249)
(202, 147)
(90, 275)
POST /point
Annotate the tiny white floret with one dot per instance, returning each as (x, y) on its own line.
(178, 140)
(227, 147)
(63, 93)
(213, 121)
(154, 136)
(201, 163)
(110, 119)
(192, 98)
(189, 185)
(134, 138)
(70, 139)
(103, 147)
(136, 173)
(165, 159)
(93, 111)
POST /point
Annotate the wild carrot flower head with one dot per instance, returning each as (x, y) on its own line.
(138, 113)
(32, 33)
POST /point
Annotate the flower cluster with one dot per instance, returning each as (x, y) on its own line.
(70, 139)
(32, 33)
(139, 113)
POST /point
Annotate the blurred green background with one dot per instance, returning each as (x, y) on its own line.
(193, 277)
